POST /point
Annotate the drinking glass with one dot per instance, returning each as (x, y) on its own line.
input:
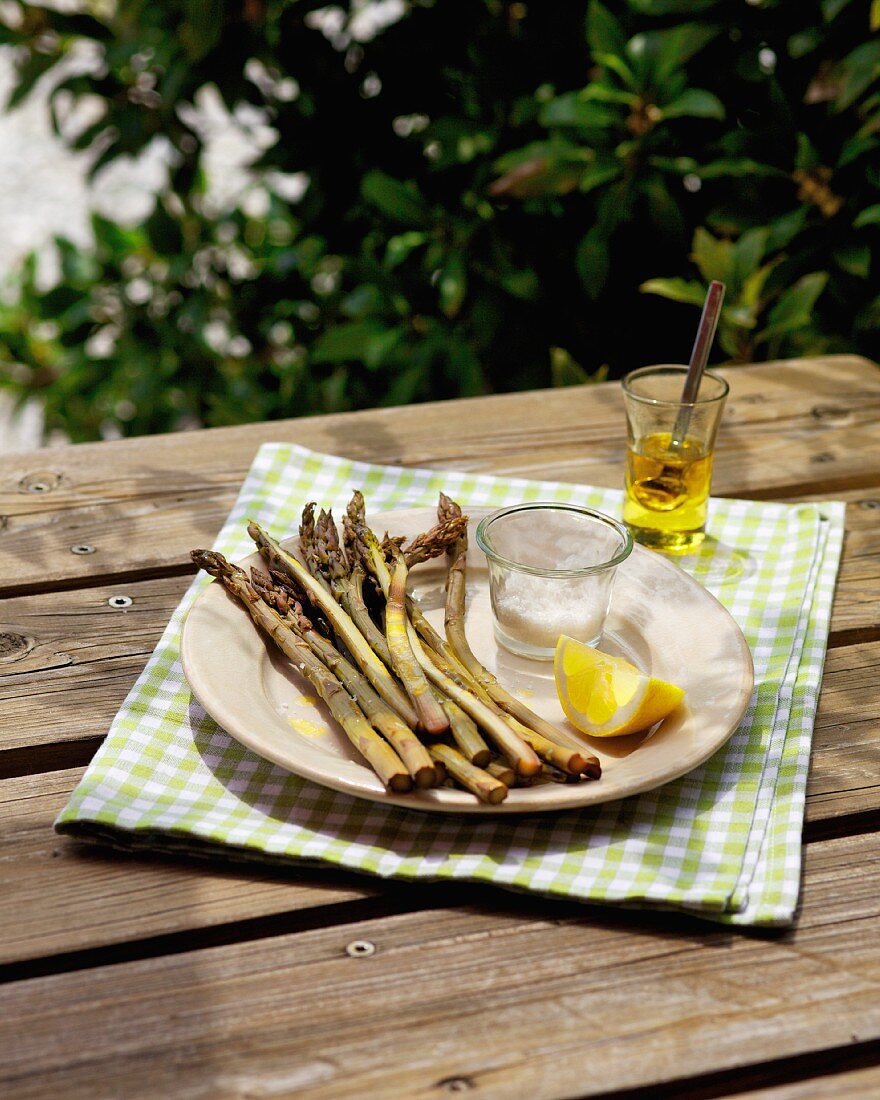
(551, 568)
(670, 445)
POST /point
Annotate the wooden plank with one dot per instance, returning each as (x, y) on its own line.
(856, 613)
(796, 426)
(81, 656)
(162, 897)
(858, 584)
(846, 745)
(511, 1000)
(103, 897)
(72, 658)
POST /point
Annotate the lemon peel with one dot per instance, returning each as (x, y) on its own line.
(606, 696)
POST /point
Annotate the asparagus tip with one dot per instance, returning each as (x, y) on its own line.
(212, 562)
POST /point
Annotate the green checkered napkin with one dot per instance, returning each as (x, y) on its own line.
(723, 841)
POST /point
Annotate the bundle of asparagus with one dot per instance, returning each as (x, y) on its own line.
(419, 707)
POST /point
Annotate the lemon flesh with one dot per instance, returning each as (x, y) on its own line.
(606, 696)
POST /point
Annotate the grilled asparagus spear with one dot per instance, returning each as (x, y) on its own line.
(378, 753)
(364, 543)
(372, 667)
(411, 751)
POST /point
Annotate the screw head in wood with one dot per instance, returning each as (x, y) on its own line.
(360, 949)
(120, 601)
(39, 481)
(82, 548)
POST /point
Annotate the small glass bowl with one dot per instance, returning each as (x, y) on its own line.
(551, 571)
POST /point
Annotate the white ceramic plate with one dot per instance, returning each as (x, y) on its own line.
(661, 620)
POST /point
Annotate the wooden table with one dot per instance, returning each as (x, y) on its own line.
(128, 976)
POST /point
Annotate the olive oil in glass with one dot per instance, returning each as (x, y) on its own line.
(667, 491)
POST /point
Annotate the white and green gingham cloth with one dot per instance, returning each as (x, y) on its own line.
(723, 841)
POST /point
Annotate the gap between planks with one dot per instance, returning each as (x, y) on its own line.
(165, 903)
(515, 996)
(835, 1068)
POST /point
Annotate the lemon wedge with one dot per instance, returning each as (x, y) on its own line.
(606, 696)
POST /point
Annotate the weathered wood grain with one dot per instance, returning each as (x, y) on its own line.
(160, 897)
(78, 896)
(77, 658)
(797, 426)
(844, 773)
(81, 656)
(505, 1001)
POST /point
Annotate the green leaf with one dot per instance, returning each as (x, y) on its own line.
(806, 156)
(678, 45)
(592, 262)
(464, 366)
(399, 247)
(713, 257)
(27, 75)
(832, 8)
(595, 176)
(804, 42)
(696, 103)
(601, 93)
(784, 229)
(394, 199)
(572, 109)
(565, 370)
(460, 141)
(558, 150)
(380, 347)
(748, 252)
(739, 316)
(665, 211)
(407, 385)
(359, 303)
(522, 284)
(78, 266)
(869, 317)
(670, 7)
(679, 166)
(752, 291)
(856, 146)
(738, 167)
(677, 290)
(203, 27)
(869, 216)
(604, 34)
(351, 341)
(541, 168)
(859, 70)
(855, 259)
(453, 283)
(794, 309)
(618, 66)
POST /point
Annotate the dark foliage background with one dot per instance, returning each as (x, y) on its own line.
(500, 195)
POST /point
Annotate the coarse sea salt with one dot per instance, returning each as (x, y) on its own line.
(534, 611)
(551, 568)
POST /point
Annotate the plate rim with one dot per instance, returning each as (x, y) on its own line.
(551, 798)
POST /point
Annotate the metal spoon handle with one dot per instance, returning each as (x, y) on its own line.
(699, 357)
